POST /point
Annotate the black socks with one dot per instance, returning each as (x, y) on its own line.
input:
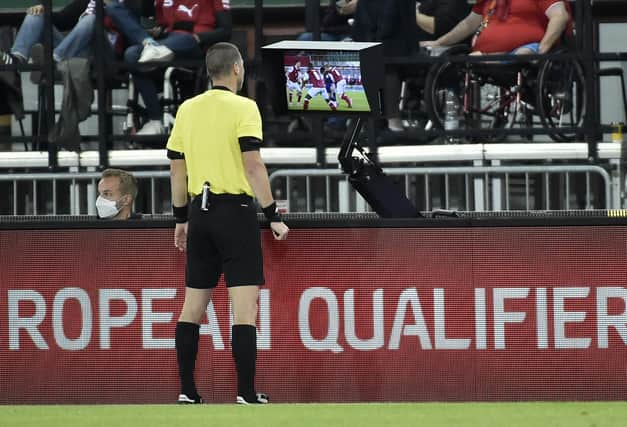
(186, 339)
(244, 347)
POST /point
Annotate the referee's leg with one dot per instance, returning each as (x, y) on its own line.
(244, 338)
(186, 339)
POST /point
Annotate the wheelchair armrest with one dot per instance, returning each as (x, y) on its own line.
(456, 49)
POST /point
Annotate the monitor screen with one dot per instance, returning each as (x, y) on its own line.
(326, 78)
(324, 81)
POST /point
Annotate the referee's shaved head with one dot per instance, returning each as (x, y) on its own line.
(220, 59)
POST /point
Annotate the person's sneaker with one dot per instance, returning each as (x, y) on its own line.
(187, 400)
(156, 53)
(259, 398)
(11, 78)
(7, 59)
(151, 127)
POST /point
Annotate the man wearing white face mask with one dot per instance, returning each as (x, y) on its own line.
(117, 190)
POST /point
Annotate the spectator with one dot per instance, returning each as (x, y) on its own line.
(77, 17)
(335, 23)
(400, 25)
(117, 190)
(185, 29)
(437, 17)
(516, 26)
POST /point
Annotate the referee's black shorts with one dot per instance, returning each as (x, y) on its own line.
(224, 239)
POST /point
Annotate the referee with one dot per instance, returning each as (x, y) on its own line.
(214, 157)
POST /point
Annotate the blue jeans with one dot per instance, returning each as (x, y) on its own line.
(76, 43)
(182, 44)
(325, 37)
(127, 22)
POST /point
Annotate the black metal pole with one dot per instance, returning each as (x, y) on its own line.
(258, 21)
(591, 119)
(312, 23)
(103, 128)
(260, 88)
(579, 18)
(312, 17)
(48, 73)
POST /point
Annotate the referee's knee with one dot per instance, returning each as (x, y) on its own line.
(245, 314)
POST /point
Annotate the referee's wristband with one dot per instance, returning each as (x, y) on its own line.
(180, 214)
(271, 213)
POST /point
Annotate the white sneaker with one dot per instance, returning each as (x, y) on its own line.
(156, 53)
(151, 127)
(259, 398)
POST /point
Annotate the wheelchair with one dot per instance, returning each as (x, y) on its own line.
(178, 83)
(502, 95)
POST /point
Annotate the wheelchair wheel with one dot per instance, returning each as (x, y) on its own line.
(486, 102)
(442, 77)
(561, 97)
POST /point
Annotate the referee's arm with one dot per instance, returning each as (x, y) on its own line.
(178, 183)
(257, 175)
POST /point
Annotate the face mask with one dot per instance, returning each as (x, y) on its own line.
(106, 208)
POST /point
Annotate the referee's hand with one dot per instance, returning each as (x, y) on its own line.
(279, 230)
(180, 236)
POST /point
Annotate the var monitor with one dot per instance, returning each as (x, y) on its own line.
(325, 77)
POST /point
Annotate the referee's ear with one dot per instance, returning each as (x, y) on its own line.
(237, 68)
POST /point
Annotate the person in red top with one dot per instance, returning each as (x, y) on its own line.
(318, 87)
(294, 82)
(186, 28)
(511, 26)
(340, 84)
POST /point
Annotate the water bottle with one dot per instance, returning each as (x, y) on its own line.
(451, 115)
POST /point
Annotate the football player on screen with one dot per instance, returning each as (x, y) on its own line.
(294, 79)
(315, 78)
(339, 83)
(329, 84)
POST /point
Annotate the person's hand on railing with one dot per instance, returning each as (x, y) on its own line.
(38, 9)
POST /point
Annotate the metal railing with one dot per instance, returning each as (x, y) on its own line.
(469, 188)
(75, 193)
(472, 188)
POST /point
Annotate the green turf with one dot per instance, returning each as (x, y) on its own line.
(528, 414)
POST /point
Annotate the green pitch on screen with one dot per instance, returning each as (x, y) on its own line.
(360, 103)
(529, 414)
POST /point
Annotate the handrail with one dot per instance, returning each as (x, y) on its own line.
(307, 156)
(462, 170)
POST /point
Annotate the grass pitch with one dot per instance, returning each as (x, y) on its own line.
(528, 414)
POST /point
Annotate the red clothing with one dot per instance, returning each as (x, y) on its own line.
(335, 73)
(525, 23)
(294, 74)
(315, 78)
(201, 12)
